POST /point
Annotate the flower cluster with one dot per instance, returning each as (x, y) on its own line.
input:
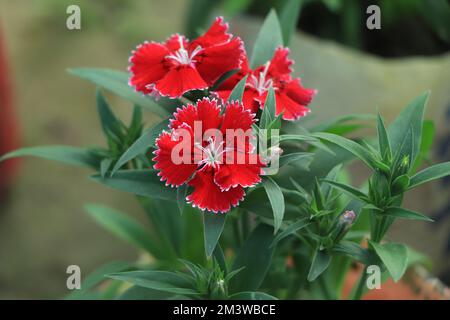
(209, 164)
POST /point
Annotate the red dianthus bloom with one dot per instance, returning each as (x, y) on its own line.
(178, 65)
(219, 166)
(291, 97)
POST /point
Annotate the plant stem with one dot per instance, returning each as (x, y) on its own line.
(359, 290)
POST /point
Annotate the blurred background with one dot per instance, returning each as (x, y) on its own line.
(43, 227)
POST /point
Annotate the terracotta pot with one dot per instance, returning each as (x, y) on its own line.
(9, 133)
(417, 284)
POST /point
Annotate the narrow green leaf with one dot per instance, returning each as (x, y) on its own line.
(319, 264)
(383, 139)
(109, 122)
(181, 197)
(289, 14)
(141, 182)
(429, 174)
(255, 257)
(394, 257)
(398, 212)
(66, 154)
(125, 228)
(269, 38)
(268, 113)
(428, 133)
(104, 166)
(349, 145)
(299, 159)
(238, 90)
(298, 137)
(354, 251)
(141, 145)
(347, 189)
(157, 280)
(220, 258)
(296, 226)
(276, 199)
(213, 225)
(410, 117)
(249, 295)
(117, 82)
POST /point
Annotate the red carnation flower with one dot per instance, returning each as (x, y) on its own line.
(178, 65)
(220, 163)
(291, 97)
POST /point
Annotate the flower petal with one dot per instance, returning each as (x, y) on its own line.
(216, 34)
(280, 65)
(173, 174)
(173, 42)
(207, 111)
(147, 65)
(179, 80)
(214, 61)
(237, 117)
(244, 171)
(208, 196)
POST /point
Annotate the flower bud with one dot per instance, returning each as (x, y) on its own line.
(343, 224)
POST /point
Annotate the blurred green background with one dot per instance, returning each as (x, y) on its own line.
(43, 227)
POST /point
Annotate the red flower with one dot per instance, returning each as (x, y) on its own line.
(178, 65)
(219, 164)
(291, 97)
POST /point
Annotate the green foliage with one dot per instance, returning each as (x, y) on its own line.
(268, 39)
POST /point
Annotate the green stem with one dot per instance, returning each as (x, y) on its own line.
(359, 290)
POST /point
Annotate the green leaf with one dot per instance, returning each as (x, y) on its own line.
(255, 257)
(296, 226)
(410, 117)
(213, 225)
(141, 145)
(250, 295)
(66, 154)
(125, 228)
(394, 257)
(429, 174)
(268, 113)
(109, 122)
(347, 189)
(117, 82)
(238, 90)
(299, 159)
(349, 145)
(97, 277)
(289, 14)
(269, 38)
(276, 199)
(338, 122)
(157, 280)
(220, 259)
(428, 133)
(104, 166)
(398, 212)
(181, 197)
(383, 139)
(298, 137)
(354, 251)
(319, 264)
(141, 182)
(400, 184)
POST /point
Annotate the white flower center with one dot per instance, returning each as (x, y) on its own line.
(260, 83)
(182, 56)
(212, 154)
